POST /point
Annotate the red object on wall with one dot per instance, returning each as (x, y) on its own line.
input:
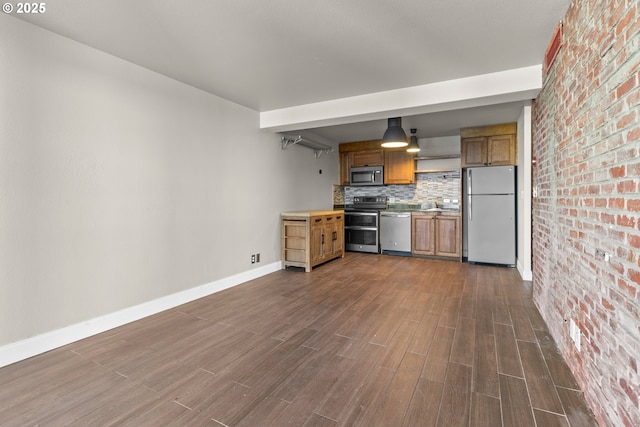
(554, 47)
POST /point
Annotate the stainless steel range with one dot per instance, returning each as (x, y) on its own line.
(362, 224)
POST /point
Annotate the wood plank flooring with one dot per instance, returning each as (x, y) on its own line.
(368, 340)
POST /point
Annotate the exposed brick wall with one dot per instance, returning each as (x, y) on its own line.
(586, 137)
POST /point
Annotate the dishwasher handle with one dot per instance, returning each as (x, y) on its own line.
(395, 215)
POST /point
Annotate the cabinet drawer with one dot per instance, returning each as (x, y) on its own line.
(295, 229)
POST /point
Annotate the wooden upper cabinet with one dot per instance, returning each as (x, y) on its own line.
(474, 151)
(345, 166)
(399, 167)
(501, 150)
(367, 158)
(494, 145)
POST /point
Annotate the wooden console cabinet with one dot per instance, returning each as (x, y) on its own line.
(310, 238)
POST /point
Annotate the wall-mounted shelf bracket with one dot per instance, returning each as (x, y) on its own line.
(318, 147)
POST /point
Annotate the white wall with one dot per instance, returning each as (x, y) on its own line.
(524, 194)
(119, 186)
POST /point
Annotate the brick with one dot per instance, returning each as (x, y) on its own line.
(607, 218)
(626, 120)
(633, 169)
(633, 134)
(617, 267)
(633, 205)
(625, 87)
(616, 203)
(626, 221)
(626, 187)
(634, 241)
(626, 154)
(634, 276)
(618, 171)
(606, 304)
(629, 391)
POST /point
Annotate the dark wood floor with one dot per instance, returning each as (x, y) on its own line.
(368, 340)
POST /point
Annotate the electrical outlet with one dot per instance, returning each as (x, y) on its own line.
(574, 333)
(253, 259)
(257, 257)
(603, 255)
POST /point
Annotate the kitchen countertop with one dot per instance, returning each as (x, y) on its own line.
(411, 208)
(438, 211)
(308, 214)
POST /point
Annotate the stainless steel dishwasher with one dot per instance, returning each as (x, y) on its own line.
(395, 233)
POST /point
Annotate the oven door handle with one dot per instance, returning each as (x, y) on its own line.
(361, 213)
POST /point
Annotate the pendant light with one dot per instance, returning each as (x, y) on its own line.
(413, 145)
(394, 136)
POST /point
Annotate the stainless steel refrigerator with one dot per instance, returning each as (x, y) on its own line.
(490, 213)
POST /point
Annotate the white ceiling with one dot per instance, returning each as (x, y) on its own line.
(274, 54)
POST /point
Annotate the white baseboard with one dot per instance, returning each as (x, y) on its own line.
(525, 274)
(38, 344)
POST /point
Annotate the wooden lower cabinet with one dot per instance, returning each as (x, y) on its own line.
(436, 234)
(423, 228)
(310, 238)
(448, 232)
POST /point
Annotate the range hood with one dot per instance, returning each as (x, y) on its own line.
(439, 155)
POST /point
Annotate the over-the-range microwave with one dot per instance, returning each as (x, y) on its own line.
(368, 175)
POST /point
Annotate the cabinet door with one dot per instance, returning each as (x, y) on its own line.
(327, 239)
(423, 241)
(501, 150)
(448, 236)
(367, 158)
(345, 165)
(399, 167)
(317, 240)
(474, 151)
(338, 235)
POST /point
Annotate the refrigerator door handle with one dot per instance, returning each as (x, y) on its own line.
(469, 193)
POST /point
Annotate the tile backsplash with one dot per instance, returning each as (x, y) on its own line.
(429, 187)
